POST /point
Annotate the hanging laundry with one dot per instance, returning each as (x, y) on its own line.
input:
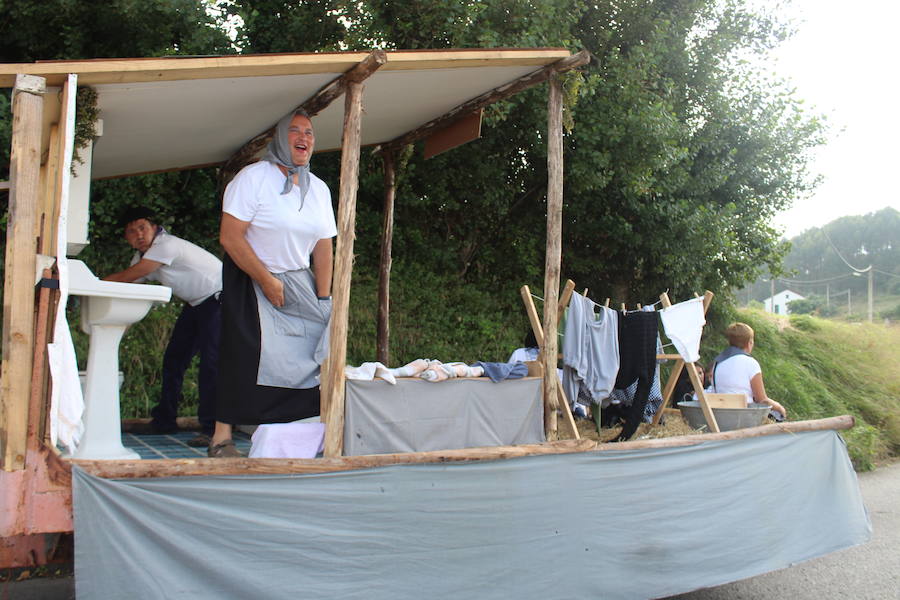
(590, 350)
(684, 323)
(637, 363)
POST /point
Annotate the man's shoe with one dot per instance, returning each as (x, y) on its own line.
(224, 449)
(201, 440)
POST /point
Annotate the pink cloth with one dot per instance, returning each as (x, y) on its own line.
(288, 440)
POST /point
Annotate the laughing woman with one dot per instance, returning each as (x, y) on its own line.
(277, 229)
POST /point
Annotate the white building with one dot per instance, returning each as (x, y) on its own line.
(778, 303)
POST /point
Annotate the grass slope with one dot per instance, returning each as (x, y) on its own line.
(819, 368)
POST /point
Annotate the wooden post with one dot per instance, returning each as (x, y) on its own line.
(21, 261)
(343, 269)
(389, 158)
(554, 248)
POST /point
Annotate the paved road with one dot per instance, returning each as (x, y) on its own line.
(867, 572)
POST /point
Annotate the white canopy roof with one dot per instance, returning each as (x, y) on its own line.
(173, 113)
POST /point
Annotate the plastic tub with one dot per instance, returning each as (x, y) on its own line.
(727, 418)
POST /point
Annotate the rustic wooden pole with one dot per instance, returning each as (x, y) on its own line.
(389, 158)
(554, 249)
(21, 261)
(192, 467)
(343, 269)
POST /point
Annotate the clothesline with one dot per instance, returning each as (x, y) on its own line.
(536, 297)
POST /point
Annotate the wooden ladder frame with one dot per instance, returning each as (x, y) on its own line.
(538, 329)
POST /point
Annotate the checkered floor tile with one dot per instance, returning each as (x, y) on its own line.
(175, 445)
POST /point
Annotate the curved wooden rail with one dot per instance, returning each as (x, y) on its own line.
(127, 469)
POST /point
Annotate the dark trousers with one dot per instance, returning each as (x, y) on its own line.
(197, 330)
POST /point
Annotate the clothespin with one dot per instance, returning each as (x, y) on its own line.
(606, 303)
(639, 306)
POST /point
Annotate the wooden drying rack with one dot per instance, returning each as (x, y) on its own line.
(670, 383)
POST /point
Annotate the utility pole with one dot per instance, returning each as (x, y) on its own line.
(871, 292)
(827, 294)
(772, 295)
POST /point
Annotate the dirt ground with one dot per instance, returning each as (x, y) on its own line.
(673, 425)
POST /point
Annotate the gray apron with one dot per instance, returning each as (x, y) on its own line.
(293, 337)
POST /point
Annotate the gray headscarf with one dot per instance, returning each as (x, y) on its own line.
(279, 152)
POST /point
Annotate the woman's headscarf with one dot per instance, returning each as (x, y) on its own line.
(279, 152)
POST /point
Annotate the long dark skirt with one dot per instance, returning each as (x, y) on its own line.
(241, 401)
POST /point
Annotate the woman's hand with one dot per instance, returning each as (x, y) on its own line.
(273, 288)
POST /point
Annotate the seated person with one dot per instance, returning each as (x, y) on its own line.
(736, 372)
(529, 352)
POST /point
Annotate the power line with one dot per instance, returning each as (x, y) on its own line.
(838, 252)
(886, 273)
(813, 281)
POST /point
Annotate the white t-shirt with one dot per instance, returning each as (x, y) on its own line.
(193, 273)
(281, 234)
(733, 376)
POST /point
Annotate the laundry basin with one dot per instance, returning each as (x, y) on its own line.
(107, 309)
(728, 419)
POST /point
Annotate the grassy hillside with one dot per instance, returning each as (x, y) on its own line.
(819, 368)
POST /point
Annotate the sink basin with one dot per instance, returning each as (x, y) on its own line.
(107, 309)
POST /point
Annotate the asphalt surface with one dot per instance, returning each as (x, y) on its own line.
(867, 572)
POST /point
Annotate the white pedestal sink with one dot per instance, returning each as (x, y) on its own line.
(107, 309)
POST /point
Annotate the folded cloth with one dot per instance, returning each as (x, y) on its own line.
(369, 371)
(500, 371)
(299, 439)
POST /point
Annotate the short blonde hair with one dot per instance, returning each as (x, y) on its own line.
(739, 334)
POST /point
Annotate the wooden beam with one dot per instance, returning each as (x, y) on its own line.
(21, 262)
(501, 93)
(180, 68)
(553, 257)
(564, 299)
(343, 269)
(42, 329)
(382, 344)
(313, 105)
(194, 467)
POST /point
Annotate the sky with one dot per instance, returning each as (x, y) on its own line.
(844, 63)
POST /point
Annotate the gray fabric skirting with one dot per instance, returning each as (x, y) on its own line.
(644, 524)
(416, 416)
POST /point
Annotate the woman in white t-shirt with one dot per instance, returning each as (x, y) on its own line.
(736, 372)
(277, 229)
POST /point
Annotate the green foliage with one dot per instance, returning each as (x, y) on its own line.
(806, 306)
(863, 240)
(893, 314)
(86, 115)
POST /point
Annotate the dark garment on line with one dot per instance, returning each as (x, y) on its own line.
(196, 331)
(500, 371)
(637, 362)
(241, 400)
